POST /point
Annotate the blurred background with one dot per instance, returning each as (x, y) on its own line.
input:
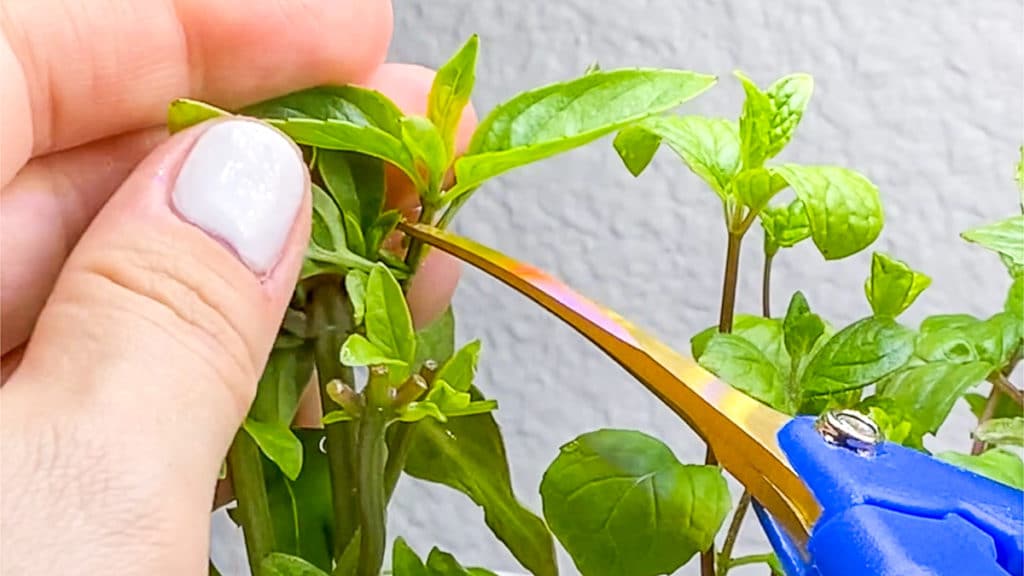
(925, 98)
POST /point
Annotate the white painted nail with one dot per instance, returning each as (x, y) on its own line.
(243, 183)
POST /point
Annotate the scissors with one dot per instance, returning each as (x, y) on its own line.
(833, 497)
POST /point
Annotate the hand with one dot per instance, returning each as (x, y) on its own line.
(144, 277)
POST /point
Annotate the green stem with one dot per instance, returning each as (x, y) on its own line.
(417, 249)
(726, 561)
(752, 559)
(245, 467)
(401, 443)
(766, 286)
(331, 318)
(990, 409)
(725, 316)
(372, 457)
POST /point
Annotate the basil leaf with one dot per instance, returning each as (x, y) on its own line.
(337, 135)
(450, 92)
(356, 182)
(999, 465)
(964, 338)
(553, 119)
(1005, 237)
(743, 366)
(355, 287)
(784, 226)
(358, 351)
(895, 429)
(301, 509)
(460, 369)
(441, 563)
(1001, 432)
(350, 104)
(710, 147)
(184, 113)
(388, 323)
(858, 355)
(336, 416)
(468, 454)
(764, 333)
(789, 96)
(473, 408)
(893, 286)
(380, 230)
(279, 444)
(284, 378)
(927, 393)
(636, 146)
(621, 503)
(277, 564)
(802, 329)
(436, 341)
(447, 398)
(755, 124)
(328, 230)
(843, 208)
(405, 562)
(429, 157)
(755, 187)
(1014, 305)
(416, 411)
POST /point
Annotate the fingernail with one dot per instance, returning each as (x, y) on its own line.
(243, 183)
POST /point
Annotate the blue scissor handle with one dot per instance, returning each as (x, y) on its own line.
(897, 511)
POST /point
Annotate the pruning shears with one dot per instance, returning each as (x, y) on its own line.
(833, 497)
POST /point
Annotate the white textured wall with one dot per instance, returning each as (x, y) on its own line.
(923, 97)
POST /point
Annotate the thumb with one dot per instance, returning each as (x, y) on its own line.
(164, 315)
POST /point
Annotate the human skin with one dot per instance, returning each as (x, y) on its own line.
(132, 333)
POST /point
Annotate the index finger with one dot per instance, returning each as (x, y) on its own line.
(80, 70)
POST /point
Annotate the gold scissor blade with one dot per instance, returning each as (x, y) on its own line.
(740, 431)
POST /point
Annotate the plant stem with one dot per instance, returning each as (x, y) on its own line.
(766, 286)
(372, 457)
(990, 408)
(999, 380)
(1000, 385)
(401, 443)
(246, 472)
(752, 559)
(734, 532)
(331, 319)
(729, 281)
(417, 249)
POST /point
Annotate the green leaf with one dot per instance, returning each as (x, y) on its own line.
(843, 208)
(710, 147)
(460, 369)
(893, 285)
(358, 351)
(428, 153)
(895, 429)
(351, 104)
(185, 113)
(450, 92)
(468, 454)
(1014, 305)
(1001, 432)
(784, 226)
(964, 338)
(328, 231)
(405, 562)
(1005, 237)
(336, 416)
(755, 187)
(755, 124)
(789, 96)
(743, 366)
(355, 287)
(301, 509)
(925, 394)
(336, 135)
(388, 323)
(320, 261)
(284, 378)
(354, 236)
(858, 355)
(999, 465)
(380, 230)
(416, 411)
(437, 340)
(280, 445)
(553, 119)
(356, 182)
(636, 146)
(441, 563)
(277, 564)
(1005, 406)
(764, 333)
(473, 408)
(802, 328)
(621, 503)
